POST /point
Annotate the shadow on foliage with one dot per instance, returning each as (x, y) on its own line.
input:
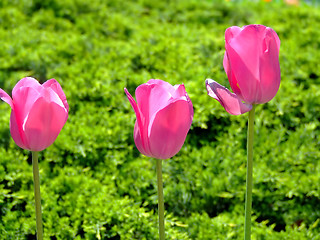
(216, 126)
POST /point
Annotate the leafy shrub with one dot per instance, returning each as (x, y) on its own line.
(94, 182)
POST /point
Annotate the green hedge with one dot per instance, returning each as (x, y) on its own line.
(94, 182)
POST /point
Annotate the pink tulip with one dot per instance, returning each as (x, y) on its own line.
(38, 112)
(251, 62)
(164, 116)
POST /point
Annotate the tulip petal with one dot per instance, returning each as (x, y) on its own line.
(232, 78)
(141, 144)
(180, 91)
(51, 96)
(243, 53)
(230, 101)
(23, 100)
(167, 86)
(232, 32)
(6, 98)
(169, 128)
(43, 124)
(16, 131)
(184, 95)
(55, 86)
(276, 38)
(153, 96)
(140, 134)
(24, 95)
(24, 83)
(270, 75)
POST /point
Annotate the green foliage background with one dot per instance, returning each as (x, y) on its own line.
(94, 182)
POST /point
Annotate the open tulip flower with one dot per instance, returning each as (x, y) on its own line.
(38, 113)
(251, 62)
(164, 116)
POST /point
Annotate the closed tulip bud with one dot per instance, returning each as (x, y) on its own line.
(164, 116)
(251, 62)
(38, 112)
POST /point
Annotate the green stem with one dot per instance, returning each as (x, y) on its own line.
(37, 197)
(160, 199)
(248, 204)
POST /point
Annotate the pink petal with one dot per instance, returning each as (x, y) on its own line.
(190, 106)
(270, 75)
(6, 98)
(230, 101)
(180, 91)
(167, 86)
(23, 100)
(169, 129)
(232, 79)
(44, 124)
(17, 133)
(51, 96)
(142, 145)
(244, 52)
(232, 32)
(275, 36)
(181, 94)
(26, 82)
(153, 96)
(55, 86)
(141, 128)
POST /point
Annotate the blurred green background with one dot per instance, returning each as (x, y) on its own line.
(94, 182)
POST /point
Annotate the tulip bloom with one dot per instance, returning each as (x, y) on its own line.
(251, 62)
(38, 113)
(164, 116)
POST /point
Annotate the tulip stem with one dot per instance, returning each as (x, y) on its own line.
(160, 199)
(248, 204)
(37, 197)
